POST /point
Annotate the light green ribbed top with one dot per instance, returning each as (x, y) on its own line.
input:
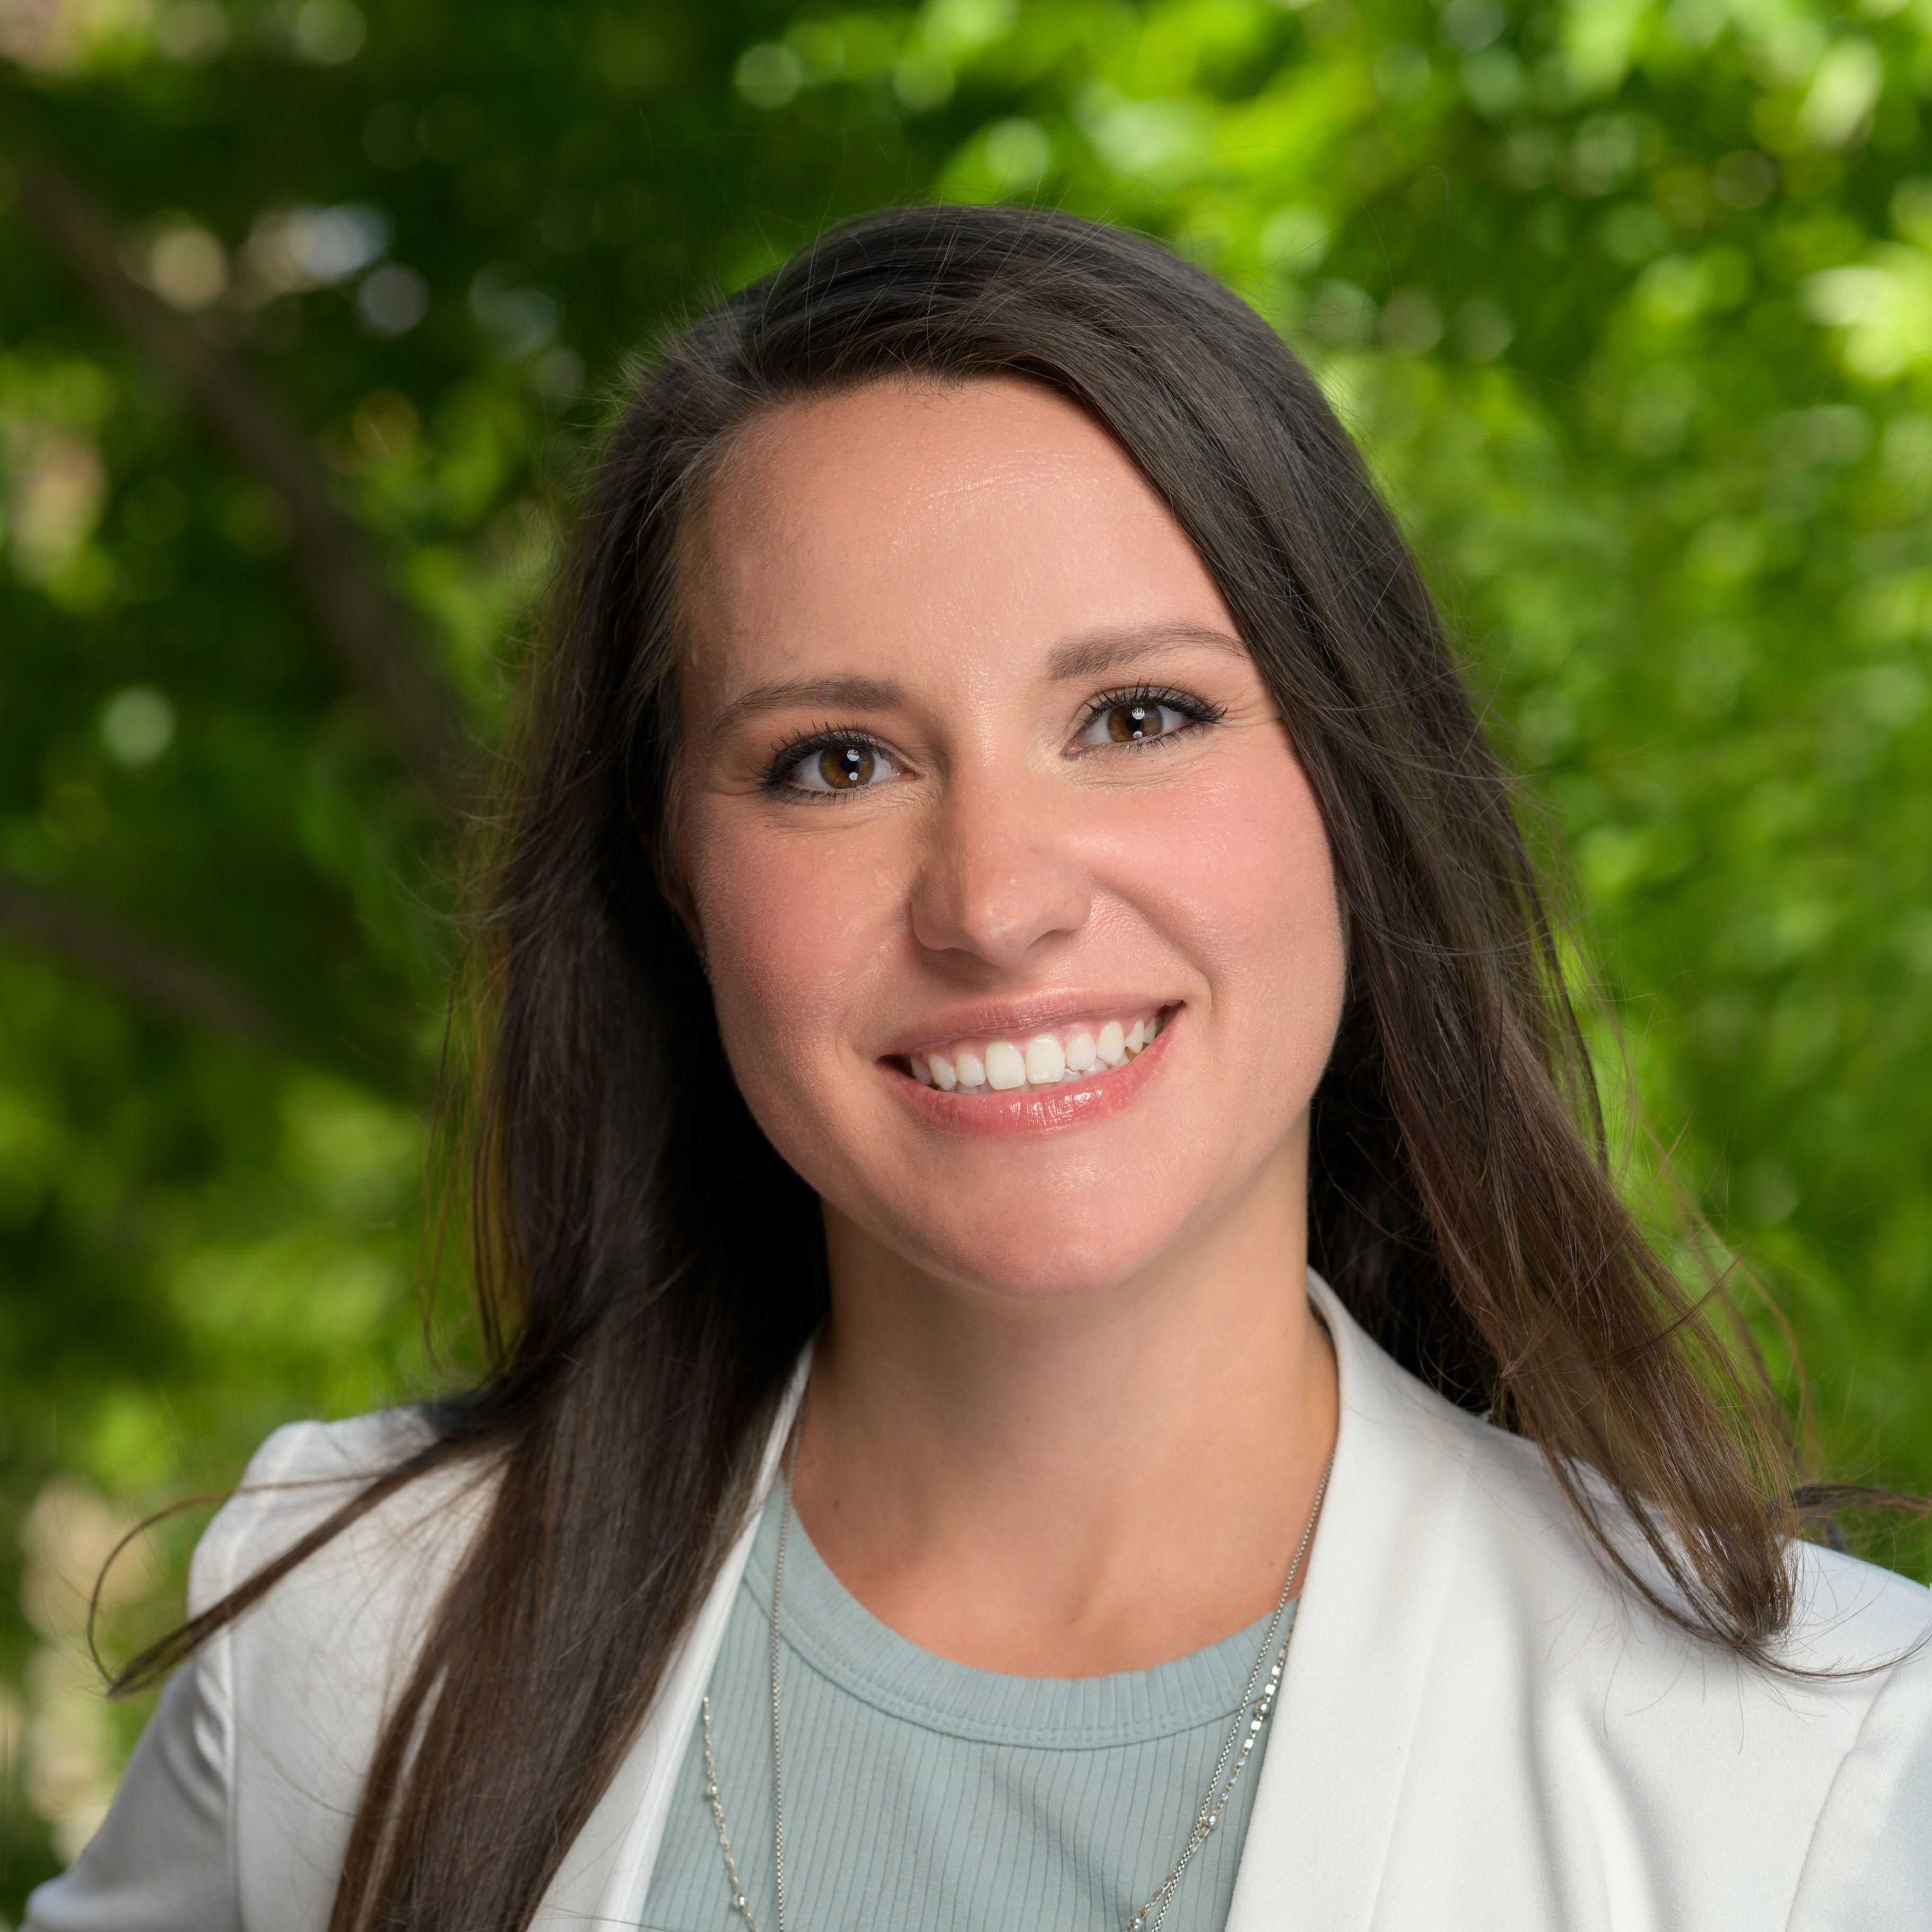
(922, 1795)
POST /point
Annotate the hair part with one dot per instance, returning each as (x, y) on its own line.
(637, 1318)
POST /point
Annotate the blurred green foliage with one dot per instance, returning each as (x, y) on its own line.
(1630, 304)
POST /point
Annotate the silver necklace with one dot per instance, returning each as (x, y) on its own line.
(1243, 1735)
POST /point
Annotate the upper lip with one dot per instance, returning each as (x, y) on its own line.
(1008, 1019)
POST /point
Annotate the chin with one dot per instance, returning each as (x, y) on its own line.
(1012, 1263)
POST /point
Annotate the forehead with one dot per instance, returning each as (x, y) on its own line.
(910, 524)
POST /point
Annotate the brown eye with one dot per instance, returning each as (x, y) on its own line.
(1127, 723)
(846, 767)
(1141, 721)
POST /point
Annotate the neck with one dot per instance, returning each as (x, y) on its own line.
(1122, 1475)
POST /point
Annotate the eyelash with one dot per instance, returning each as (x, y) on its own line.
(1197, 711)
(787, 756)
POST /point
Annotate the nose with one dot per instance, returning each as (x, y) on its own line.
(1000, 878)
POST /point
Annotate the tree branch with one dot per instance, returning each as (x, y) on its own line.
(359, 618)
(152, 974)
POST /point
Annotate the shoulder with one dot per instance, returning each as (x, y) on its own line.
(1556, 1728)
(1850, 1619)
(302, 1473)
(1513, 1526)
(1855, 1630)
(380, 1577)
(301, 1683)
(1815, 1770)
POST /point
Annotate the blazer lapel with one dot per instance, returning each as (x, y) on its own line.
(1365, 1637)
(607, 1870)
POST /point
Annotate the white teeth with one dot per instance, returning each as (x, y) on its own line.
(1005, 1068)
(1045, 1061)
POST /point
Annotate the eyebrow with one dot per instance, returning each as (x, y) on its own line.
(1067, 663)
(831, 693)
(1095, 656)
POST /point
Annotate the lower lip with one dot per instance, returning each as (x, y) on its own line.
(1043, 1110)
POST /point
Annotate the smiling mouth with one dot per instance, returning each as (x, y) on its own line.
(1082, 1050)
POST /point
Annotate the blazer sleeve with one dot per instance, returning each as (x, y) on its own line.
(1869, 1868)
(164, 1858)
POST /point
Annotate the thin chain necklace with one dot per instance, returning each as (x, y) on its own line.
(1242, 1735)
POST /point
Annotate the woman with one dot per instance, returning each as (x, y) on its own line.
(1027, 1109)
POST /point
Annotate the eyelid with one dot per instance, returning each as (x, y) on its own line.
(1194, 709)
(787, 756)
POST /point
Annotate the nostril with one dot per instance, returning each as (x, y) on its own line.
(997, 902)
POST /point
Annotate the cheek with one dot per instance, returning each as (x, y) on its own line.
(1238, 871)
(1275, 930)
(790, 928)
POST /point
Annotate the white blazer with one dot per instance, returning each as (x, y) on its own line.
(1477, 1730)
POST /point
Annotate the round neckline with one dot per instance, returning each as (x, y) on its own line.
(825, 1627)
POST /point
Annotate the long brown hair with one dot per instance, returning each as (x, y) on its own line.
(648, 1268)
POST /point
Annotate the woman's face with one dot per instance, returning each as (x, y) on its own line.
(981, 794)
